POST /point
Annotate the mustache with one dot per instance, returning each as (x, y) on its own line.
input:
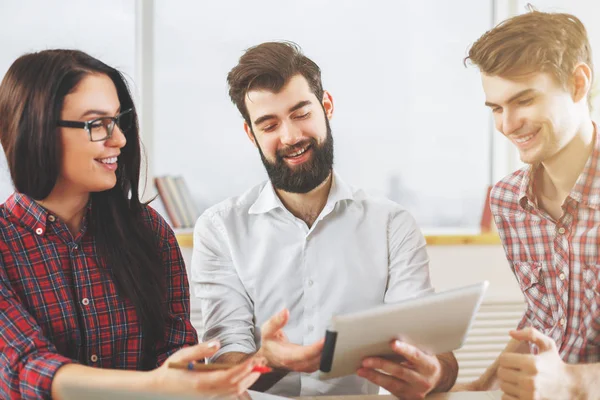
(286, 151)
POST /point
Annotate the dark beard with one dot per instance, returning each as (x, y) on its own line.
(304, 177)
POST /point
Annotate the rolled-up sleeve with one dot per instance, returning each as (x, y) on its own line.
(227, 310)
(28, 361)
(408, 260)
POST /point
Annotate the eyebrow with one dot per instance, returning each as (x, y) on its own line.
(513, 98)
(99, 112)
(291, 110)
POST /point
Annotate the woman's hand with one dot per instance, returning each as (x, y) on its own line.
(232, 381)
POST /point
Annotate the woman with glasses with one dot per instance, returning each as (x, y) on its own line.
(93, 288)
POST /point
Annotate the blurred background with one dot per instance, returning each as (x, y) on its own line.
(410, 121)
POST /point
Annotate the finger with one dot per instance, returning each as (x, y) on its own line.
(275, 323)
(310, 365)
(509, 375)
(509, 397)
(543, 342)
(515, 361)
(196, 352)
(241, 371)
(389, 383)
(292, 353)
(510, 389)
(420, 361)
(248, 381)
(398, 371)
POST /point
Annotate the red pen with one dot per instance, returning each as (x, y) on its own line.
(196, 366)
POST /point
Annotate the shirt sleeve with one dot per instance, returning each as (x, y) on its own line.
(28, 361)
(408, 275)
(227, 310)
(179, 331)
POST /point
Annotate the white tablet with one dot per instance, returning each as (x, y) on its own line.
(435, 323)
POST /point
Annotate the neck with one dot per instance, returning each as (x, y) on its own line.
(562, 170)
(68, 207)
(307, 206)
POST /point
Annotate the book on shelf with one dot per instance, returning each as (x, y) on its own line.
(177, 200)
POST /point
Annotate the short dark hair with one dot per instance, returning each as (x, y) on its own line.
(270, 66)
(32, 94)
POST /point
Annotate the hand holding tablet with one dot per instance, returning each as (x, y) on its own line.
(435, 324)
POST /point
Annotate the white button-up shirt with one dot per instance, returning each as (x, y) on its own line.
(252, 258)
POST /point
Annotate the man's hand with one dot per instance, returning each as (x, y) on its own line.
(280, 353)
(541, 376)
(413, 378)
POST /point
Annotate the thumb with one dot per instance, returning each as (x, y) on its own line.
(543, 342)
(196, 352)
(275, 323)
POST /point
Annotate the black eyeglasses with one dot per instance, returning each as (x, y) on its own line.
(102, 128)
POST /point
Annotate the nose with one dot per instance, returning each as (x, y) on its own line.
(509, 123)
(290, 134)
(117, 139)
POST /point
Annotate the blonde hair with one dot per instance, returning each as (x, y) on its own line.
(533, 42)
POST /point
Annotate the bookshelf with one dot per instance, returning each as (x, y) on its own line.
(186, 239)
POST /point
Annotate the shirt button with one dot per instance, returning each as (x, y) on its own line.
(310, 328)
(561, 230)
(310, 282)
(561, 322)
(85, 301)
(51, 218)
(39, 231)
(94, 358)
(561, 277)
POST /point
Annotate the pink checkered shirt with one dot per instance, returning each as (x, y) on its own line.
(557, 263)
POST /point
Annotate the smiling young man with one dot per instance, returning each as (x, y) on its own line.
(273, 265)
(537, 75)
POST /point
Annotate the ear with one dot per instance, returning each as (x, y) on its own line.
(582, 82)
(249, 133)
(328, 104)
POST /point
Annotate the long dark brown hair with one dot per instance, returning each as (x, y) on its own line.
(31, 99)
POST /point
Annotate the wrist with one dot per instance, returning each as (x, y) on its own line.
(149, 380)
(575, 384)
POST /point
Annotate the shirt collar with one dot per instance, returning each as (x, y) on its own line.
(587, 187)
(27, 212)
(30, 214)
(268, 200)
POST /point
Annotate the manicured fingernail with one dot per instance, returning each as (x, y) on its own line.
(213, 343)
(368, 363)
(398, 344)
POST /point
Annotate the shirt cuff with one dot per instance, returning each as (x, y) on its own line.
(38, 373)
(231, 348)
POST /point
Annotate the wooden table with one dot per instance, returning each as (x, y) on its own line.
(497, 395)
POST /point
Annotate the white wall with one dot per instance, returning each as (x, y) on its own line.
(105, 30)
(409, 122)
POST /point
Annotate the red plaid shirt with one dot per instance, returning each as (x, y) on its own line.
(57, 307)
(557, 263)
